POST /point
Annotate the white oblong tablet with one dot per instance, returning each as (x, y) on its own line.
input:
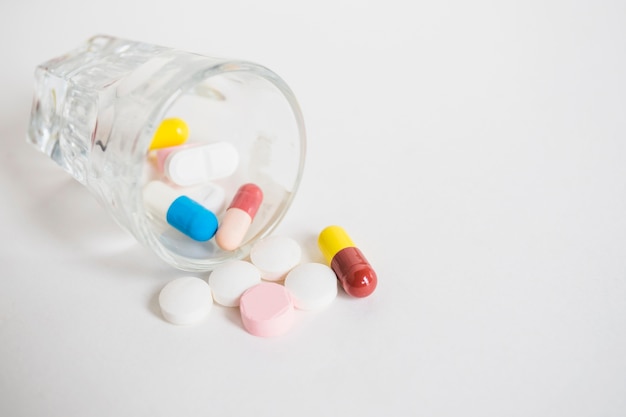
(312, 285)
(157, 197)
(191, 165)
(223, 159)
(210, 195)
(231, 279)
(185, 300)
(275, 256)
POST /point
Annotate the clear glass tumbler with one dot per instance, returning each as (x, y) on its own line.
(96, 109)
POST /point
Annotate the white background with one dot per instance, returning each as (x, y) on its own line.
(474, 151)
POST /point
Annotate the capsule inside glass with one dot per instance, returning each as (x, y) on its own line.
(250, 113)
(96, 111)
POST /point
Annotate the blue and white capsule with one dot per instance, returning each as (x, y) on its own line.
(181, 212)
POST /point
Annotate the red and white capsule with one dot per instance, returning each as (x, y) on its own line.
(239, 216)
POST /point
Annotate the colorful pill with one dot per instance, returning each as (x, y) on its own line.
(180, 211)
(356, 275)
(171, 132)
(267, 310)
(239, 216)
(195, 164)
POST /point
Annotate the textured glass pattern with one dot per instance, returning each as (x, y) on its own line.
(70, 92)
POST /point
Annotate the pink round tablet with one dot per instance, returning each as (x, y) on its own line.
(267, 310)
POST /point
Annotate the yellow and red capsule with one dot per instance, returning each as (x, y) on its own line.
(356, 275)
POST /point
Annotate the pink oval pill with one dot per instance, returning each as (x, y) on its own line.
(239, 216)
(267, 310)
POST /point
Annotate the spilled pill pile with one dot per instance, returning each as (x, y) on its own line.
(273, 283)
(271, 286)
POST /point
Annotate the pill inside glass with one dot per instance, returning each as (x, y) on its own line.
(101, 111)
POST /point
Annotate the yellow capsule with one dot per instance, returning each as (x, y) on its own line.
(171, 132)
(333, 239)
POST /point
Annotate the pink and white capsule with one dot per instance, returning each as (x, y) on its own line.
(239, 216)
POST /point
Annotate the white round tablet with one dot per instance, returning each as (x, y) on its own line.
(313, 286)
(275, 256)
(231, 279)
(185, 300)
